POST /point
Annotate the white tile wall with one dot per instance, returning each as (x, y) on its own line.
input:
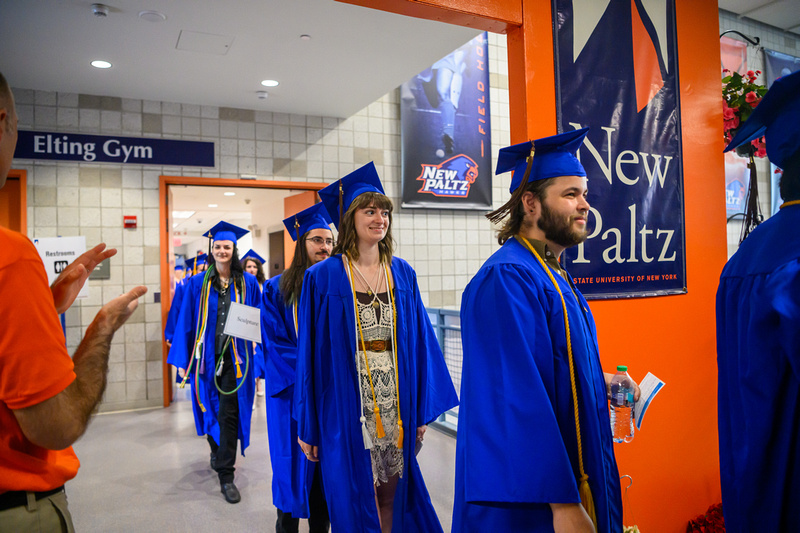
(89, 199)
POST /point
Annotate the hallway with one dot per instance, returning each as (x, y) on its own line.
(147, 471)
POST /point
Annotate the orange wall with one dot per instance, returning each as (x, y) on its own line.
(674, 460)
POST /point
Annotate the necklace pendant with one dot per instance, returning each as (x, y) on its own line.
(369, 292)
(376, 304)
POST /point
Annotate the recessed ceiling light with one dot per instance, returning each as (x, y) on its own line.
(101, 64)
(230, 194)
(182, 214)
(270, 83)
(152, 16)
(212, 205)
(305, 37)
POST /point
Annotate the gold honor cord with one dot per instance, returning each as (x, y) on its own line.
(380, 433)
(787, 204)
(296, 328)
(584, 489)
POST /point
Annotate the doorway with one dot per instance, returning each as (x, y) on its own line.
(190, 206)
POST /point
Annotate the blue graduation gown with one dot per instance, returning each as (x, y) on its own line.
(259, 357)
(174, 310)
(327, 400)
(181, 351)
(288, 461)
(516, 449)
(758, 355)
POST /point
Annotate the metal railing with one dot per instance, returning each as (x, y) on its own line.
(447, 324)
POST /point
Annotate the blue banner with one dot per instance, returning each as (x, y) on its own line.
(446, 132)
(113, 149)
(617, 73)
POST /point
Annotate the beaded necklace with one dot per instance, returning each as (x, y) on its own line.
(380, 433)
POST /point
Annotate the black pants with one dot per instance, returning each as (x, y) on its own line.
(228, 420)
(318, 521)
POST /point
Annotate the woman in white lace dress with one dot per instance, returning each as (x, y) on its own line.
(370, 373)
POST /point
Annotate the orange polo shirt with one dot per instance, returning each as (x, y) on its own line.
(34, 366)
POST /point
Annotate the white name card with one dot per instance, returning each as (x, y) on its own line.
(244, 322)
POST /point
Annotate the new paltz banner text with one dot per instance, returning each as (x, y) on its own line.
(446, 133)
(617, 73)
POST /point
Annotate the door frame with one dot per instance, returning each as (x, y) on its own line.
(164, 181)
(22, 176)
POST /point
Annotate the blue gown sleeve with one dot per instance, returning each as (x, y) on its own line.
(174, 311)
(513, 444)
(304, 410)
(184, 335)
(786, 302)
(278, 345)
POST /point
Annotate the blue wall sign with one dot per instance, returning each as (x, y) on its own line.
(112, 149)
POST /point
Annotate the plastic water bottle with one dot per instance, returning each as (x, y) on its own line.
(622, 405)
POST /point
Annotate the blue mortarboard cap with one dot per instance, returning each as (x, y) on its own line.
(178, 267)
(552, 157)
(252, 253)
(313, 217)
(224, 231)
(200, 260)
(365, 179)
(777, 117)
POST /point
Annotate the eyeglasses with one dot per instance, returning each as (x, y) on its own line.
(319, 241)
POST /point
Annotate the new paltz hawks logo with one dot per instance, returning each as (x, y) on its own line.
(449, 178)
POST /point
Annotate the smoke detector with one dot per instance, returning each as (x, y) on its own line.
(100, 10)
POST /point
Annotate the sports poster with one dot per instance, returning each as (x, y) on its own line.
(446, 132)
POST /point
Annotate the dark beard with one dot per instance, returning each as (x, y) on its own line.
(559, 230)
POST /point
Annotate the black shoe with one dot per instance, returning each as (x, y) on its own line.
(231, 493)
(213, 462)
(448, 143)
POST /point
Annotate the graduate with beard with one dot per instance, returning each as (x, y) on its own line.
(370, 373)
(527, 335)
(302, 498)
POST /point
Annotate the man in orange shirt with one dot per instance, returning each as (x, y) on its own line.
(46, 398)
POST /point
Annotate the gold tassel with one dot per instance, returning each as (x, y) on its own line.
(378, 424)
(586, 499)
(400, 431)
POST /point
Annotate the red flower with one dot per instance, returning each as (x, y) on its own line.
(750, 74)
(711, 522)
(751, 97)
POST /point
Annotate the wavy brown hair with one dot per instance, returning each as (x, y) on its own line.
(260, 274)
(347, 243)
(516, 218)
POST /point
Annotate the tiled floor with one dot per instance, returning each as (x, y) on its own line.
(148, 471)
